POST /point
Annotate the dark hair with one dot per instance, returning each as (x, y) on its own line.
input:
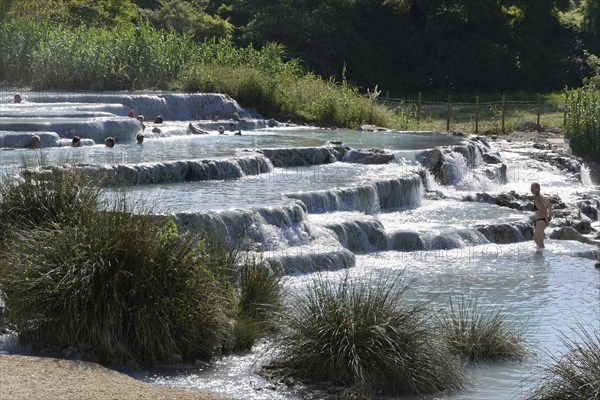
(76, 139)
(158, 119)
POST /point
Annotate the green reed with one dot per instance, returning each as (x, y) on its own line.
(582, 121)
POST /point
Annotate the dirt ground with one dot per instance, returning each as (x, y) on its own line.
(32, 378)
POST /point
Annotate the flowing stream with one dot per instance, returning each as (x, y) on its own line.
(423, 204)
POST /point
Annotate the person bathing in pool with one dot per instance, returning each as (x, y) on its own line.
(543, 215)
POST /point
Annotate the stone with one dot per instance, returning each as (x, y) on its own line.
(569, 233)
(368, 156)
(430, 158)
(405, 241)
(491, 158)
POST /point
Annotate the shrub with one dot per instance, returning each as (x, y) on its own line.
(119, 286)
(367, 337)
(481, 333)
(583, 121)
(63, 198)
(575, 374)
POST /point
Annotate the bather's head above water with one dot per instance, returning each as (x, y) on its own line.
(35, 142)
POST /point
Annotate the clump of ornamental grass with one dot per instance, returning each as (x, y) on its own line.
(370, 338)
(574, 374)
(117, 286)
(260, 298)
(256, 288)
(481, 333)
(62, 198)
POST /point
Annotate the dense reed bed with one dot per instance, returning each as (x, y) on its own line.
(126, 57)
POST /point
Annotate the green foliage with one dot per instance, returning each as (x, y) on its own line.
(102, 59)
(583, 121)
(187, 17)
(576, 373)
(19, 40)
(72, 12)
(430, 46)
(261, 293)
(119, 285)
(63, 199)
(368, 337)
(434, 45)
(481, 333)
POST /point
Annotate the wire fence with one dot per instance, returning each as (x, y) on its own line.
(499, 116)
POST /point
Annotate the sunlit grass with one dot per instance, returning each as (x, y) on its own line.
(481, 332)
(369, 338)
(574, 374)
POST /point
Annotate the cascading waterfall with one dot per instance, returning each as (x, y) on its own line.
(371, 198)
(170, 172)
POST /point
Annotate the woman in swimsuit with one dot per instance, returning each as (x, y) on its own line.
(543, 214)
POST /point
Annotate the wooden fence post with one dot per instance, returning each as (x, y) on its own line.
(503, 112)
(539, 104)
(449, 112)
(387, 97)
(419, 108)
(477, 115)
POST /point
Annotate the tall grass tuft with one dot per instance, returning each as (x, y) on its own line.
(575, 374)
(258, 301)
(65, 199)
(582, 119)
(119, 286)
(369, 338)
(481, 333)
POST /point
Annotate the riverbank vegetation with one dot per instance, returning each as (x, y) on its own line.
(582, 117)
(277, 56)
(48, 56)
(370, 338)
(574, 374)
(119, 287)
(481, 333)
(403, 46)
